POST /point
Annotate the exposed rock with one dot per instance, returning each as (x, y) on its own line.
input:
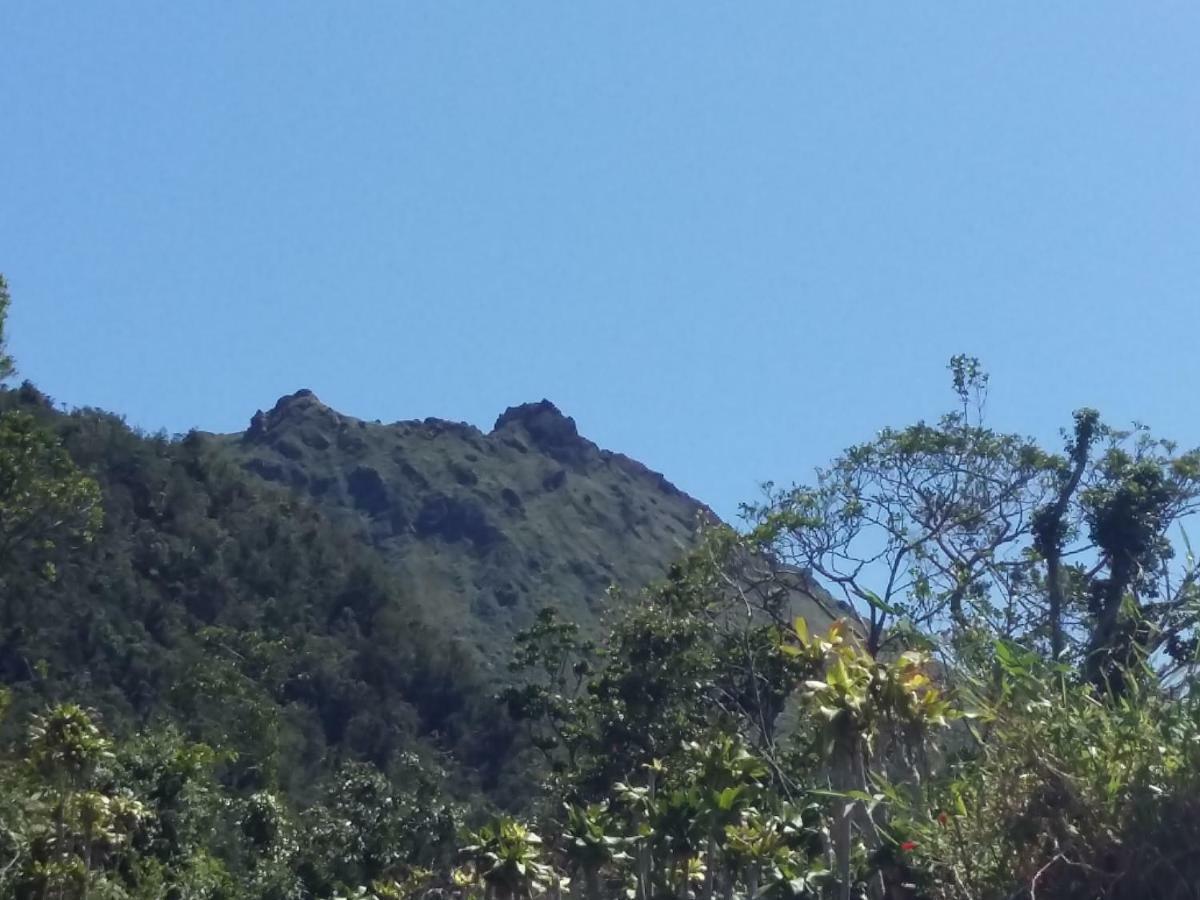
(352, 443)
(271, 471)
(454, 519)
(413, 475)
(367, 489)
(506, 595)
(549, 430)
(399, 520)
(302, 406)
(288, 449)
(316, 439)
(464, 475)
(512, 499)
(258, 427)
(319, 486)
(295, 404)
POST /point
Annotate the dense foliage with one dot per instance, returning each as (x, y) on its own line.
(208, 599)
(213, 691)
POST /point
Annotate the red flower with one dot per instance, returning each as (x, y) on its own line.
(943, 818)
(908, 845)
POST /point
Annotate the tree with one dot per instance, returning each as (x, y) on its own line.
(696, 652)
(875, 714)
(7, 366)
(957, 528)
(44, 497)
(591, 842)
(506, 857)
(85, 823)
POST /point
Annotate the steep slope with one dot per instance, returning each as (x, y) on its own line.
(485, 528)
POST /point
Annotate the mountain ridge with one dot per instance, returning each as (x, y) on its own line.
(488, 526)
(551, 429)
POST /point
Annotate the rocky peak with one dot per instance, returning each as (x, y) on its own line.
(549, 430)
(288, 407)
(532, 413)
(302, 398)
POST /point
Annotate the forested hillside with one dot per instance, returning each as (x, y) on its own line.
(268, 666)
(234, 609)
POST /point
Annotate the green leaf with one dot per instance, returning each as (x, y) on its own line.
(876, 601)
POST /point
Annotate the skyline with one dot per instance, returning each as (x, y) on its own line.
(728, 244)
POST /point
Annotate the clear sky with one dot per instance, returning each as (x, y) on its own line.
(729, 238)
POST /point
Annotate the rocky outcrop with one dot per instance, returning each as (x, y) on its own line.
(367, 490)
(549, 431)
(454, 519)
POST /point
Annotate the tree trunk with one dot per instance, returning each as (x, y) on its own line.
(1055, 591)
(1105, 631)
(851, 775)
(710, 868)
(645, 853)
(840, 832)
(841, 847)
(1049, 531)
(87, 864)
(591, 877)
(643, 870)
(867, 826)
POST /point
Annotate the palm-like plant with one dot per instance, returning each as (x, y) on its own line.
(66, 748)
(774, 854)
(751, 845)
(506, 857)
(729, 778)
(641, 803)
(859, 697)
(678, 826)
(591, 843)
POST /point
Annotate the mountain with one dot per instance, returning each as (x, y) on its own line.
(319, 588)
(484, 528)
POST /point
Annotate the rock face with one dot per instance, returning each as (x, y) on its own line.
(454, 519)
(549, 431)
(368, 492)
(487, 527)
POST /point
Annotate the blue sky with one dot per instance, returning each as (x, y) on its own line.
(730, 239)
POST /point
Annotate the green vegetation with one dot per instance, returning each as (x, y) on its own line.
(234, 609)
(263, 666)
